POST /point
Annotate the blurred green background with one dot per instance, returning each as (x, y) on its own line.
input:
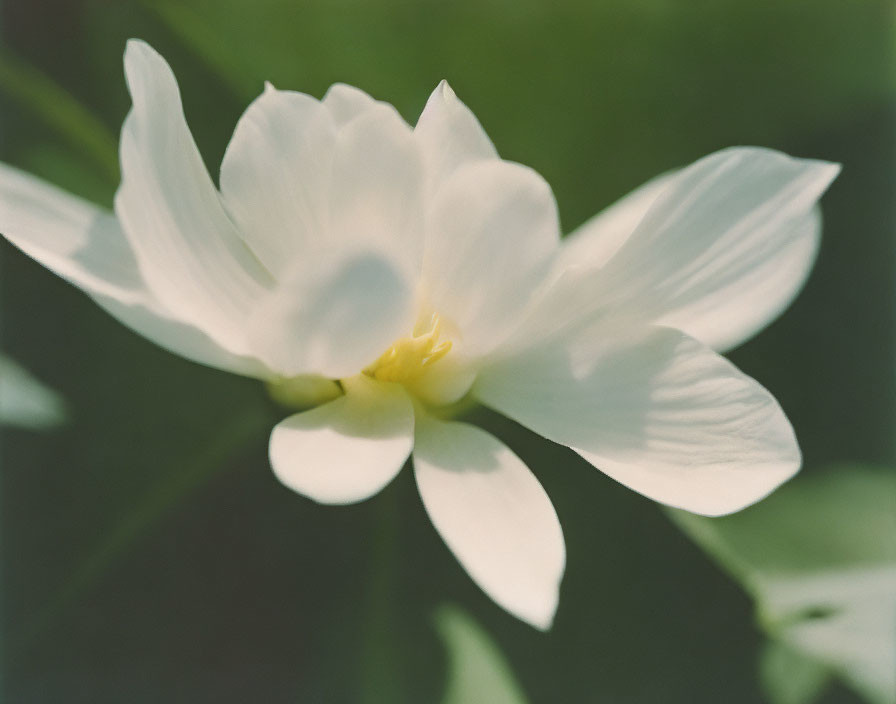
(243, 591)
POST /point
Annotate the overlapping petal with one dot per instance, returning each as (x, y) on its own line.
(726, 309)
(719, 252)
(187, 248)
(376, 194)
(593, 244)
(276, 174)
(450, 135)
(494, 516)
(333, 317)
(85, 246)
(345, 103)
(493, 231)
(348, 449)
(659, 412)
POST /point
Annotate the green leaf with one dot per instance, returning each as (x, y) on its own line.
(24, 401)
(789, 677)
(478, 673)
(819, 558)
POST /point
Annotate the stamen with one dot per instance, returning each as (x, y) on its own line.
(409, 356)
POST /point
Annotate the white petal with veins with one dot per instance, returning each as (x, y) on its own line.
(659, 412)
(721, 249)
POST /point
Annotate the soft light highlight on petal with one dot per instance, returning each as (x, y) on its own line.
(187, 248)
(345, 103)
(723, 248)
(378, 203)
(276, 174)
(593, 244)
(720, 249)
(735, 306)
(84, 245)
(493, 232)
(494, 515)
(660, 413)
(450, 135)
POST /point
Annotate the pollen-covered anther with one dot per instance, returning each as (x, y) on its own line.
(410, 356)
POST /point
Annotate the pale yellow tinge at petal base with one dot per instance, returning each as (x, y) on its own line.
(410, 356)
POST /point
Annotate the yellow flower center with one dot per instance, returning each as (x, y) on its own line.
(410, 356)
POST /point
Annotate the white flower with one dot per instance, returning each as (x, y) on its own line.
(414, 267)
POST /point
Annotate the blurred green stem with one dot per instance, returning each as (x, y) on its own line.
(173, 488)
(380, 680)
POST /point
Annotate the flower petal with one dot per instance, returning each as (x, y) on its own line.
(376, 196)
(72, 237)
(723, 248)
(450, 135)
(659, 412)
(187, 248)
(493, 232)
(275, 175)
(727, 309)
(446, 382)
(345, 103)
(494, 516)
(594, 243)
(85, 246)
(348, 449)
(334, 319)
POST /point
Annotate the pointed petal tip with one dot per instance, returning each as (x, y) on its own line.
(269, 88)
(543, 620)
(832, 168)
(825, 171)
(721, 510)
(445, 90)
(494, 516)
(142, 65)
(539, 607)
(136, 49)
(539, 611)
(134, 44)
(829, 170)
(542, 616)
